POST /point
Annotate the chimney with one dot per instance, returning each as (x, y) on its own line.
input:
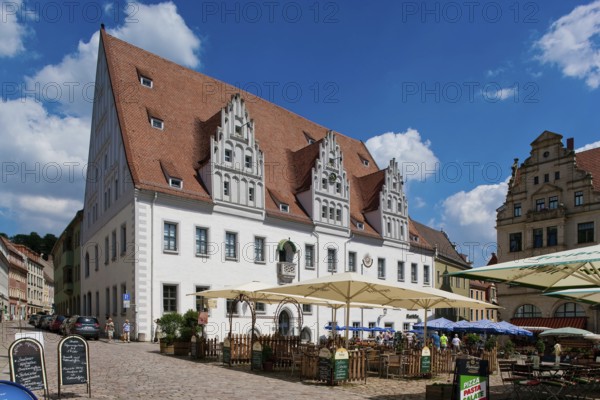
(571, 143)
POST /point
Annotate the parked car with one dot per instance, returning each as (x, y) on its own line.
(87, 327)
(56, 323)
(44, 321)
(63, 326)
(38, 323)
(33, 319)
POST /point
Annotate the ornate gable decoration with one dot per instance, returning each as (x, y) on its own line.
(393, 204)
(236, 160)
(330, 184)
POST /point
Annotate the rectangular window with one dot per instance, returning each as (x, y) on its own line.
(230, 245)
(538, 238)
(201, 301)
(331, 260)
(123, 239)
(371, 326)
(324, 212)
(338, 215)
(114, 300)
(146, 81)
(116, 189)
(170, 237)
(546, 177)
(517, 211)
(113, 244)
(324, 183)
(585, 232)
(553, 202)
(259, 249)
(260, 308)
(157, 123)
(176, 183)
(351, 261)
(250, 194)
(406, 326)
(515, 242)
(552, 236)
(123, 291)
(536, 180)
(231, 307)
(96, 256)
(284, 208)
(307, 308)
(578, 199)
(338, 187)
(540, 204)
(169, 298)
(98, 303)
(414, 277)
(331, 213)
(107, 301)
(106, 250)
(226, 188)
(201, 241)
(227, 155)
(426, 275)
(248, 162)
(309, 256)
(381, 268)
(400, 271)
(557, 175)
(356, 332)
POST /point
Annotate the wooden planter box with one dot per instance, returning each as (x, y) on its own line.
(181, 348)
(168, 349)
(438, 392)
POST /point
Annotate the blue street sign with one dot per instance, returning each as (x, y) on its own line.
(126, 297)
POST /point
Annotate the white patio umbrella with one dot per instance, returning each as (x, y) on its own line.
(566, 332)
(562, 270)
(350, 287)
(588, 295)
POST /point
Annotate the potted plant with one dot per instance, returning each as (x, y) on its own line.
(509, 348)
(540, 346)
(188, 329)
(267, 358)
(170, 325)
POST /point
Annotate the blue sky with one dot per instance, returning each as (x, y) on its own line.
(454, 90)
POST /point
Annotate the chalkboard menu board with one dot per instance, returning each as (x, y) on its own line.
(27, 366)
(226, 351)
(73, 359)
(325, 365)
(256, 356)
(425, 360)
(341, 370)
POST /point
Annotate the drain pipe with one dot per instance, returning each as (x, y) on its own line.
(152, 266)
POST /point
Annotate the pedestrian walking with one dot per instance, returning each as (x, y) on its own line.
(456, 343)
(444, 341)
(436, 340)
(126, 331)
(557, 351)
(109, 329)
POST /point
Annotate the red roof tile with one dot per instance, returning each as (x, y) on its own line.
(589, 161)
(190, 104)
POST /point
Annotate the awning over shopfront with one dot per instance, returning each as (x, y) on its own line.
(542, 324)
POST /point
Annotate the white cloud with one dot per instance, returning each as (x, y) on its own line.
(493, 94)
(588, 147)
(415, 157)
(569, 43)
(11, 31)
(418, 202)
(470, 219)
(70, 82)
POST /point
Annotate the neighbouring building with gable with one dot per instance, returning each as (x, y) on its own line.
(194, 185)
(552, 204)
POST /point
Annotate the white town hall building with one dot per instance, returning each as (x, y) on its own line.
(193, 184)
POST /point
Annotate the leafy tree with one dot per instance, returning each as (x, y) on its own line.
(36, 243)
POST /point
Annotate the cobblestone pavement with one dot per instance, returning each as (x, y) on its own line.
(138, 371)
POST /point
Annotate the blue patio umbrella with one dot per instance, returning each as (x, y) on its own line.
(481, 326)
(337, 327)
(439, 323)
(512, 329)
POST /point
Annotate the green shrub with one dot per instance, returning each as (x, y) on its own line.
(540, 346)
(509, 348)
(490, 343)
(267, 353)
(170, 324)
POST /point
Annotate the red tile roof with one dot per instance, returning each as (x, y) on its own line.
(555, 322)
(589, 161)
(190, 105)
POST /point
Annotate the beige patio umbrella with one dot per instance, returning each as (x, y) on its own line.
(555, 271)
(350, 287)
(587, 295)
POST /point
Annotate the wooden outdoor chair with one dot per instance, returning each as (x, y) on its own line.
(296, 362)
(393, 362)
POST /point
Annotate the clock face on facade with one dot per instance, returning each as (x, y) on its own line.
(367, 261)
(332, 177)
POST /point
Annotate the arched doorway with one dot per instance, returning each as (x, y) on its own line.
(286, 250)
(284, 323)
(305, 335)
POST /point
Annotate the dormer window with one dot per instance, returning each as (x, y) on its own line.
(145, 81)
(284, 208)
(157, 123)
(227, 155)
(365, 162)
(360, 226)
(308, 137)
(311, 141)
(175, 183)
